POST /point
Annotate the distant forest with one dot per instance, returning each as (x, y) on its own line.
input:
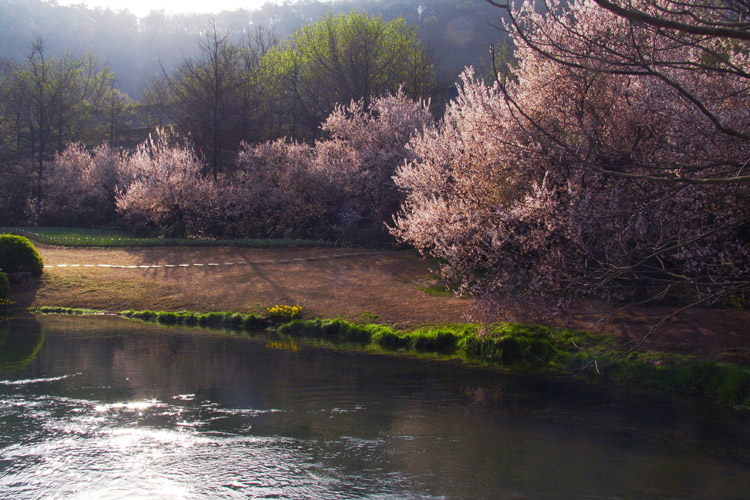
(456, 32)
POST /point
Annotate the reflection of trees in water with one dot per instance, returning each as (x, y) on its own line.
(20, 342)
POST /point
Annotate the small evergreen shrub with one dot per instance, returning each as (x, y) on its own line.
(233, 321)
(188, 318)
(142, 315)
(17, 254)
(4, 286)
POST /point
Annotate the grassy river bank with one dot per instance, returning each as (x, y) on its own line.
(387, 300)
(512, 346)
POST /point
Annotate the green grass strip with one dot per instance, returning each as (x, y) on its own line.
(512, 345)
(76, 311)
(82, 237)
(228, 320)
(553, 349)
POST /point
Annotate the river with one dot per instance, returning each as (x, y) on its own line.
(102, 407)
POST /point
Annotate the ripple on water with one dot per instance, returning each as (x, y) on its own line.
(36, 380)
(142, 463)
(90, 449)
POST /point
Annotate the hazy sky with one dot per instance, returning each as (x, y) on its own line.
(143, 7)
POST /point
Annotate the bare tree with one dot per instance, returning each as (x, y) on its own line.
(206, 90)
(218, 95)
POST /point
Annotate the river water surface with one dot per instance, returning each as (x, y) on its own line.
(108, 408)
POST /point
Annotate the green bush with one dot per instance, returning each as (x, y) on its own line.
(187, 318)
(142, 315)
(214, 318)
(4, 286)
(17, 254)
(233, 321)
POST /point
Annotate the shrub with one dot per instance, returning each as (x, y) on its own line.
(330, 328)
(17, 254)
(142, 315)
(187, 318)
(233, 321)
(4, 286)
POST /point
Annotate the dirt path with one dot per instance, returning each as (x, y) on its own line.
(386, 287)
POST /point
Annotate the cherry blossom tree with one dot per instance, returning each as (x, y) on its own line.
(275, 193)
(163, 189)
(613, 163)
(359, 157)
(340, 188)
(80, 186)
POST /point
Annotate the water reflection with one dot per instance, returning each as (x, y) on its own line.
(20, 342)
(117, 409)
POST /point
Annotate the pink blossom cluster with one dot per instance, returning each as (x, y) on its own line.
(614, 163)
(339, 188)
(163, 185)
(80, 187)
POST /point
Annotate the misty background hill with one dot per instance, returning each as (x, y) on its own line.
(458, 33)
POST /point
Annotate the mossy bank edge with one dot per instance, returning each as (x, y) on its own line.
(512, 346)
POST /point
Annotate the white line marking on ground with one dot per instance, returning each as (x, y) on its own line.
(198, 264)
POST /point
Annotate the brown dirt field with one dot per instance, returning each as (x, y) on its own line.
(383, 286)
(380, 286)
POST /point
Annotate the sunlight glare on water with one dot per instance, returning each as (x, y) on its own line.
(96, 450)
